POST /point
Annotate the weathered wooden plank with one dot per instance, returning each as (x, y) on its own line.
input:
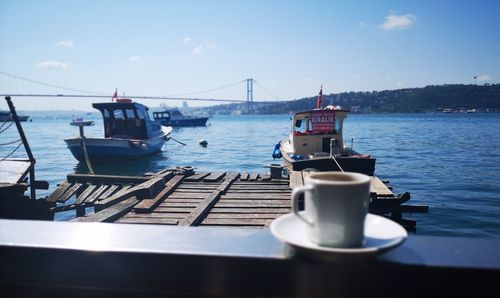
(53, 197)
(250, 210)
(261, 196)
(214, 177)
(244, 215)
(260, 182)
(105, 179)
(259, 191)
(108, 192)
(244, 176)
(122, 190)
(266, 186)
(69, 193)
(197, 177)
(156, 214)
(254, 177)
(177, 195)
(378, 187)
(170, 200)
(236, 222)
(83, 196)
(152, 220)
(198, 190)
(167, 203)
(93, 197)
(296, 179)
(266, 177)
(147, 205)
(144, 190)
(112, 213)
(196, 216)
(252, 203)
(161, 209)
(184, 186)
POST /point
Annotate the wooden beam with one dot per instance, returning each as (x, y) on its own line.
(112, 213)
(70, 192)
(214, 177)
(197, 177)
(197, 215)
(147, 205)
(105, 179)
(53, 197)
(144, 190)
(83, 196)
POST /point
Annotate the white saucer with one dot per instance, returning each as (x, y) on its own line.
(381, 234)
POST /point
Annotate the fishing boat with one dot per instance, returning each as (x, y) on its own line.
(78, 121)
(129, 133)
(174, 117)
(316, 142)
(6, 116)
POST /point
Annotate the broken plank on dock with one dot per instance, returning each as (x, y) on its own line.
(146, 189)
(196, 177)
(112, 213)
(93, 197)
(254, 177)
(214, 177)
(244, 176)
(69, 193)
(83, 196)
(108, 192)
(147, 205)
(58, 192)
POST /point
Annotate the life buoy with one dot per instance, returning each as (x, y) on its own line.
(277, 151)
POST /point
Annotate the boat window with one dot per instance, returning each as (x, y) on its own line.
(106, 113)
(118, 114)
(300, 126)
(149, 115)
(130, 113)
(140, 114)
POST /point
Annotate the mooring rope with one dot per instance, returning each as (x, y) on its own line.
(333, 156)
(8, 155)
(10, 143)
(87, 160)
(3, 124)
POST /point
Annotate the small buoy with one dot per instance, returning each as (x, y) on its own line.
(203, 142)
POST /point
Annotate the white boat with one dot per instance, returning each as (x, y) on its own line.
(129, 133)
(316, 142)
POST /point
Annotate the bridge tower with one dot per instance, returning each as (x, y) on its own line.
(249, 94)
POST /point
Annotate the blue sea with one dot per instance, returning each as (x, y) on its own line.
(450, 162)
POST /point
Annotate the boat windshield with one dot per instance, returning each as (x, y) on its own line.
(315, 123)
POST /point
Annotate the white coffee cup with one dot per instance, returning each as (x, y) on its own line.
(336, 204)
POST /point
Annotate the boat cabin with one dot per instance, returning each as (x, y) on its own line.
(318, 131)
(167, 114)
(128, 120)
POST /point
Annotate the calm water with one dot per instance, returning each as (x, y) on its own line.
(450, 162)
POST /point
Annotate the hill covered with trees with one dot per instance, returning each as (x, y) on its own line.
(459, 97)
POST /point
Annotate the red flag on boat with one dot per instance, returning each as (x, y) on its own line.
(318, 101)
(115, 96)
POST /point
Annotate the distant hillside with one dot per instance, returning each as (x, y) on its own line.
(411, 100)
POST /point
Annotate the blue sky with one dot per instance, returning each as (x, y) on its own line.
(165, 48)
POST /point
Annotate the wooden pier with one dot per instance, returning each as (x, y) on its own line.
(182, 197)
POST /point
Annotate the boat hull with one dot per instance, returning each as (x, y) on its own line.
(110, 150)
(349, 164)
(184, 122)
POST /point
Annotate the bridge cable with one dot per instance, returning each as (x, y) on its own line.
(50, 85)
(269, 92)
(208, 90)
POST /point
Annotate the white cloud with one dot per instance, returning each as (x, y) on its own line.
(134, 59)
(307, 80)
(65, 44)
(362, 24)
(199, 50)
(393, 22)
(482, 78)
(187, 40)
(52, 65)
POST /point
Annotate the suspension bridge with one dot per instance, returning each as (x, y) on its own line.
(58, 91)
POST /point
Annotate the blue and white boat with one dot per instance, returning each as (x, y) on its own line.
(129, 133)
